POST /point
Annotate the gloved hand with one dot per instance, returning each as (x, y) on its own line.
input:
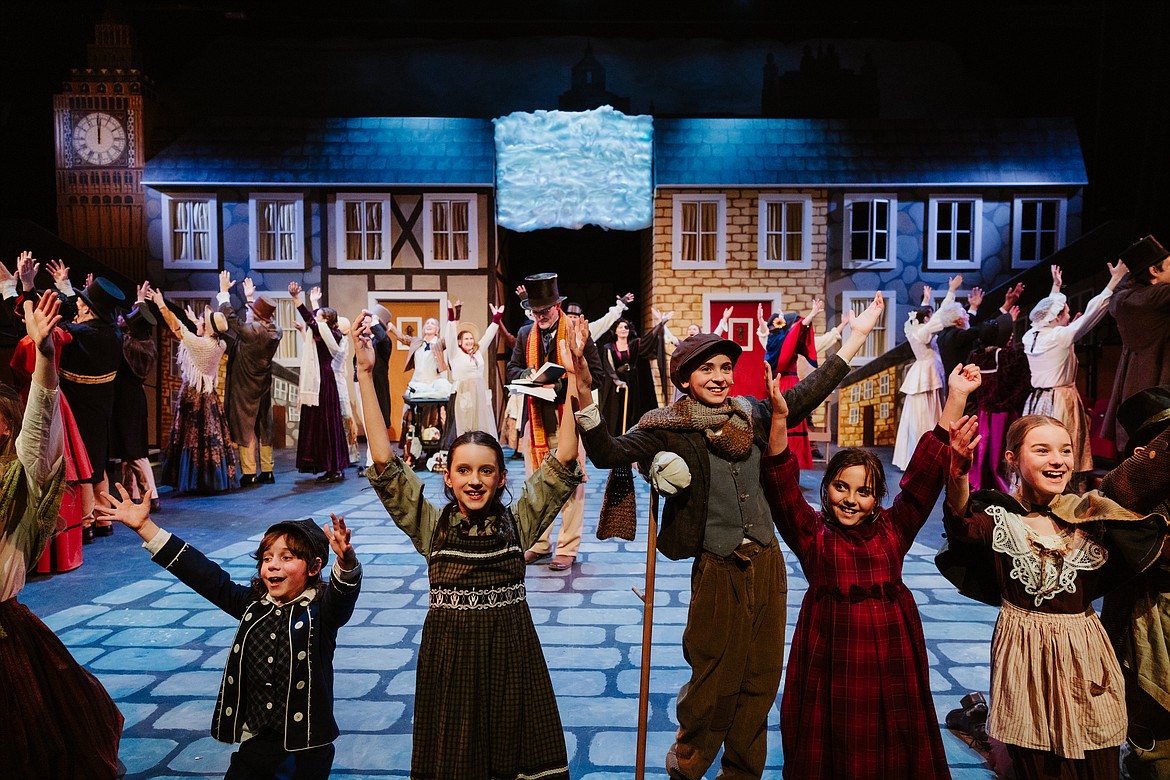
(669, 473)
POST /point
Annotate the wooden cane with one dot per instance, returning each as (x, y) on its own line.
(647, 630)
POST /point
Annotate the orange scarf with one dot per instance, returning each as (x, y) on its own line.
(538, 437)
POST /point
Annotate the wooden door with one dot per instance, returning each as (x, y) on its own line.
(409, 315)
(749, 369)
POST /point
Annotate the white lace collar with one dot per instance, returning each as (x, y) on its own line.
(1045, 565)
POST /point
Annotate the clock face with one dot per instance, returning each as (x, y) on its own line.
(99, 138)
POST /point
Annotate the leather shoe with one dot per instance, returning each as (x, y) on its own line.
(562, 563)
(155, 506)
(531, 557)
(87, 535)
(248, 480)
(266, 478)
(103, 530)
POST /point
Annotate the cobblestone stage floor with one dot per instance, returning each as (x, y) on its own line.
(160, 649)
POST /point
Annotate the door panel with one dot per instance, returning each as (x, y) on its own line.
(749, 369)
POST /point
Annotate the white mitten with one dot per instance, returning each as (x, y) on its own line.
(669, 473)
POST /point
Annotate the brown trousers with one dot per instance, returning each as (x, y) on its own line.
(734, 643)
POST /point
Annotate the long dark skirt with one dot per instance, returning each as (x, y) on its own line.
(58, 720)
(322, 444)
(199, 457)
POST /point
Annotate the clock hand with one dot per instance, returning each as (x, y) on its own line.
(99, 133)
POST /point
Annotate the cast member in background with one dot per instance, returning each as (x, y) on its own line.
(786, 338)
(467, 355)
(322, 445)
(129, 442)
(921, 407)
(627, 386)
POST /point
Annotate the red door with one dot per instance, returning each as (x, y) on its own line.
(749, 369)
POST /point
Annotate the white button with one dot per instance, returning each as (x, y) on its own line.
(269, 659)
(247, 616)
(301, 655)
(272, 636)
(231, 680)
(278, 612)
(299, 717)
(300, 685)
(299, 624)
(269, 705)
(235, 648)
(227, 711)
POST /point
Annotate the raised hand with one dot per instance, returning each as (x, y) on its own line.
(964, 439)
(495, 310)
(760, 315)
(1057, 278)
(775, 392)
(40, 320)
(846, 318)
(153, 295)
(225, 281)
(294, 290)
(315, 297)
(927, 291)
(363, 342)
(125, 511)
(627, 299)
(58, 270)
(864, 323)
(965, 379)
(249, 288)
(955, 282)
(1014, 312)
(1117, 272)
(88, 279)
(521, 292)
(190, 313)
(27, 268)
(1012, 296)
(5, 274)
(338, 536)
(817, 307)
(975, 298)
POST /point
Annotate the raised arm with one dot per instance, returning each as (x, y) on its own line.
(860, 327)
(155, 296)
(363, 349)
(778, 435)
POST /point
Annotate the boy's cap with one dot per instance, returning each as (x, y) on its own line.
(693, 350)
(308, 530)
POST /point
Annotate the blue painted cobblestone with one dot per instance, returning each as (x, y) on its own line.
(159, 648)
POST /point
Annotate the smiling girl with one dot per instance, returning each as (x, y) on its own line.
(857, 700)
(484, 704)
(1042, 557)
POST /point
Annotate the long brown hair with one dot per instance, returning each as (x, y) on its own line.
(1017, 432)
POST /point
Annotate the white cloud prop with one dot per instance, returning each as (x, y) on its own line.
(568, 169)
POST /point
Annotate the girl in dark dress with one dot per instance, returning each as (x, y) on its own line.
(485, 706)
(1043, 556)
(322, 444)
(627, 389)
(857, 700)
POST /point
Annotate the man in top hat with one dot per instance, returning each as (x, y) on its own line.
(129, 435)
(248, 391)
(1136, 615)
(538, 342)
(1141, 308)
(88, 366)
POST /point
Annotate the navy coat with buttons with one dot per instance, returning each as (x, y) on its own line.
(312, 625)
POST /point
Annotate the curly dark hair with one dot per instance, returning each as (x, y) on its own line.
(300, 547)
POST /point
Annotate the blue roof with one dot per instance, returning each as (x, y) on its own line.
(330, 152)
(873, 152)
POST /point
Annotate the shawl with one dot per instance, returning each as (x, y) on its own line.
(776, 338)
(728, 427)
(199, 361)
(538, 439)
(310, 384)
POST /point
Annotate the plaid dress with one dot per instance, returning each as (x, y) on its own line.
(857, 700)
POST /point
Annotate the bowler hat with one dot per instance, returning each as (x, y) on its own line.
(693, 350)
(1144, 415)
(140, 321)
(263, 307)
(103, 297)
(214, 319)
(308, 530)
(542, 291)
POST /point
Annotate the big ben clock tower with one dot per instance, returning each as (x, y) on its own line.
(98, 120)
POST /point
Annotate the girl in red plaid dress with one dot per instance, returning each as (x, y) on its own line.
(857, 698)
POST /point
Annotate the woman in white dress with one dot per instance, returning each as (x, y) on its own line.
(468, 362)
(1053, 361)
(924, 379)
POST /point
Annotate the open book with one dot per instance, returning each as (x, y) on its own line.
(543, 392)
(546, 375)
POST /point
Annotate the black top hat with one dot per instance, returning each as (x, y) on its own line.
(542, 291)
(1141, 256)
(308, 530)
(140, 321)
(693, 350)
(103, 297)
(1144, 415)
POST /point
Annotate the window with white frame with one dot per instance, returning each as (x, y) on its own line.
(190, 231)
(277, 237)
(785, 231)
(881, 338)
(699, 237)
(286, 316)
(954, 238)
(449, 237)
(870, 231)
(362, 230)
(1037, 229)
